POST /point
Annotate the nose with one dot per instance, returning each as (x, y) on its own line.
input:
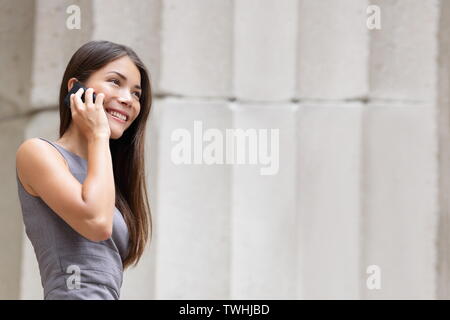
(125, 98)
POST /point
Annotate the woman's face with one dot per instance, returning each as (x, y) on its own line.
(120, 81)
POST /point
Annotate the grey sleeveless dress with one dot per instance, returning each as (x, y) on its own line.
(71, 266)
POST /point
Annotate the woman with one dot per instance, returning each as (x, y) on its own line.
(83, 196)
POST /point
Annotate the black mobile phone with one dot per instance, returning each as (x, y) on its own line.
(76, 86)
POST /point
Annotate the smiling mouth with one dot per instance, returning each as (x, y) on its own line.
(117, 116)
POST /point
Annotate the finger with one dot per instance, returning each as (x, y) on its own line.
(73, 109)
(78, 102)
(99, 100)
(88, 97)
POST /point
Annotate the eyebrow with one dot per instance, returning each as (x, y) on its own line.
(125, 78)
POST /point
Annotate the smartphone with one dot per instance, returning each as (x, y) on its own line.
(76, 86)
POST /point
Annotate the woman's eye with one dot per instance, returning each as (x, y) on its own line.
(117, 82)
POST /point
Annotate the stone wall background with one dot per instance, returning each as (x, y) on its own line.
(364, 142)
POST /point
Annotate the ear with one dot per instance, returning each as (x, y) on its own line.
(70, 83)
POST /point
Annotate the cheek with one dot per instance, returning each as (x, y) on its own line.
(105, 90)
(137, 111)
(135, 117)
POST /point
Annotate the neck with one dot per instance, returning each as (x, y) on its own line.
(74, 141)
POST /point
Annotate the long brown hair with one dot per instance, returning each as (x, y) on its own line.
(127, 152)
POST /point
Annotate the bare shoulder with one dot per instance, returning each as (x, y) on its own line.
(35, 148)
(34, 154)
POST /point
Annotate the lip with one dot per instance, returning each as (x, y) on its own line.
(119, 111)
(114, 118)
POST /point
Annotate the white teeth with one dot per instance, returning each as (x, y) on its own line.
(118, 115)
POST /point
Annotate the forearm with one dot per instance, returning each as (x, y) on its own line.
(98, 190)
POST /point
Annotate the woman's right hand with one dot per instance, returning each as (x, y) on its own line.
(89, 117)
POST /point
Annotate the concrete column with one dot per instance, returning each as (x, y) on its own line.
(401, 199)
(196, 48)
(403, 53)
(328, 195)
(333, 49)
(11, 226)
(443, 103)
(16, 56)
(265, 44)
(193, 207)
(263, 243)
(401, 159)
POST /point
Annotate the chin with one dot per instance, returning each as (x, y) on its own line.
(115, 135)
